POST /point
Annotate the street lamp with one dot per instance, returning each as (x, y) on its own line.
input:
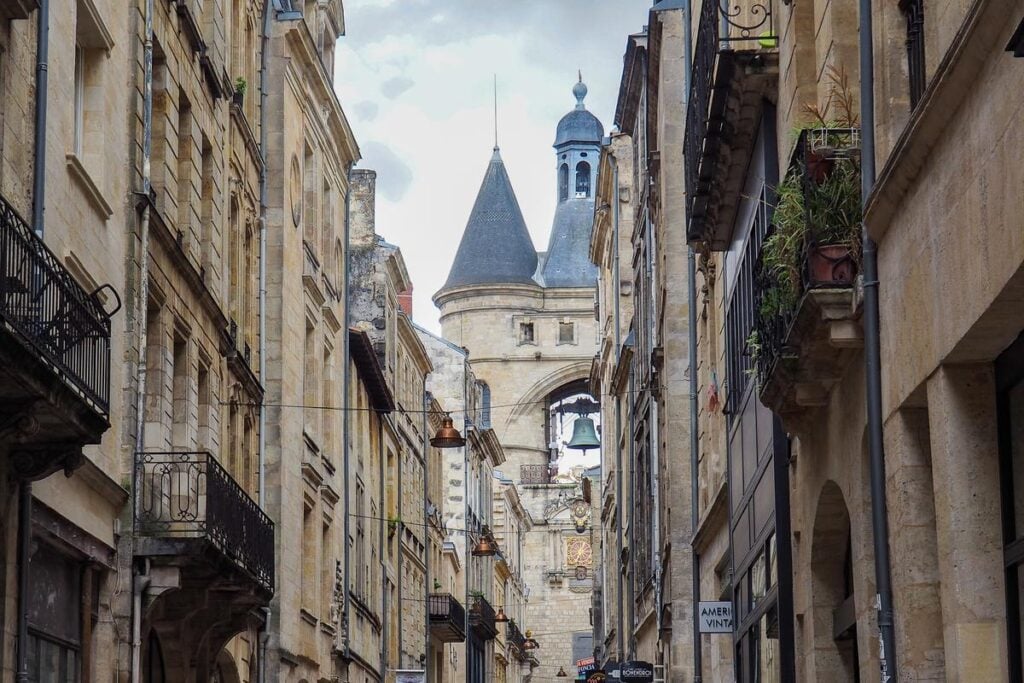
(447, 436)
(561, 673)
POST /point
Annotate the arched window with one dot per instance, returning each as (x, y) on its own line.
(583, 179)
(563, 182)
(485, 400)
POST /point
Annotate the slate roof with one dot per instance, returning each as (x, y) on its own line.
(568, 257)
(579, 125)
(496, 247)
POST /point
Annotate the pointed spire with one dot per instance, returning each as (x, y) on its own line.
(496, 247)
(495, 114)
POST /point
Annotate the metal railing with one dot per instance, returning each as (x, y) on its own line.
(481, 617)
(829, 146)
(720, 26)
(913, 12)
(515, 638)
(444, 609)
(534, 474)
(189, 495)
(43, 305)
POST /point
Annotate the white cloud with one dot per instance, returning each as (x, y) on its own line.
(439, 57)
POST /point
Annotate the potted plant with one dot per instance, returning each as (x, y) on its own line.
(240, 87)
(393, 523)
(437, 585)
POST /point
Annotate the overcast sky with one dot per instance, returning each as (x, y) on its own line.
(415, 79)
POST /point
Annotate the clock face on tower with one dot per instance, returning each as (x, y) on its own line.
(578, 552)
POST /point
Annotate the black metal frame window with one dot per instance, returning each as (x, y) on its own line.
(913, 12)
(1009, 372)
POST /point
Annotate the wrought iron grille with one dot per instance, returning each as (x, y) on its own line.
(43, 305)
(189, 495)
(444, 608)
(515, 638)
(913, 12)
(534, 474)
(833, 145)
(481, 617)
(721, 25)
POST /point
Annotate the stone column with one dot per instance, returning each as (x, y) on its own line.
(915, 572)
(965, 469)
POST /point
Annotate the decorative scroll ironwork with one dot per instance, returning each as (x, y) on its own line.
(43, 305)
(743, 22)
(481, 618)
(534, 474)
(189, 495)
(515, 639)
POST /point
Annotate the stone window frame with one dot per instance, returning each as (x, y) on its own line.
(526, 332)
(574, 329)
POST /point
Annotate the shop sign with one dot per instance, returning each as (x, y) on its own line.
(636, 672)
(585, 666)
(716, 617)
(597, 677)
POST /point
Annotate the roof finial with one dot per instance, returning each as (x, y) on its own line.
(579, 90)
(495, 112)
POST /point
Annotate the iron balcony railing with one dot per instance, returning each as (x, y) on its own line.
(50, 313)
(722, 25)
(913, 13)
(817, 155)
(481, 618)
(515, 638)
(189, 495)
(534, 474)
(447, 617)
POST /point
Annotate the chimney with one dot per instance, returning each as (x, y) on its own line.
(362, 207)
(405, 302)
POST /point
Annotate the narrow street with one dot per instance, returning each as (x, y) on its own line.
(459, 341)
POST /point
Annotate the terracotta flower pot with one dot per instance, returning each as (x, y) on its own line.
(819, 167)
(831, 264)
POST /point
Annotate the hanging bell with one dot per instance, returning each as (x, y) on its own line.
(485, 547)
(584, 435)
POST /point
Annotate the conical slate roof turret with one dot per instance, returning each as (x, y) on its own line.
(495, 247)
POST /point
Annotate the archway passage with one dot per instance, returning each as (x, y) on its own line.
(564, 408)
(834, 611)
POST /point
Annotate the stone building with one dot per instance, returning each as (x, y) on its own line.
(310, 153)
(513, 663)
(64, 224)
(527, 322)
(644, 362)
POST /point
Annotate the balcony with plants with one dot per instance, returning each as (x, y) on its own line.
(735, 69)
(807, 299)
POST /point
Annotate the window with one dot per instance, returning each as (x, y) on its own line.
(92, 43)
(310, 199)
(566, 333)
(913, 12)
(185, 165)
(206, 441)
(526, 333)
(583, 179)
(206, 204)
(563, 182)
(1009, 373)
(179, 406)
(310, 557)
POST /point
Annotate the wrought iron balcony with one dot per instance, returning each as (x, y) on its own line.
(515, 639)
(48, 312)
(735, 65)
(447, 618)
(189, 504)
(481, 618)
(806, 307)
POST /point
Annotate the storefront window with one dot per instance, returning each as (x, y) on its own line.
(54, 616)
(1010, 407)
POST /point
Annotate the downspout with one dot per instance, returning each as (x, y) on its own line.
(383, 563)
(617, 295)
(346, 423)
(141, 308)
(427, 586)
(399, 531)
(263, 635)
(465, 505)
(631, 601)
(872, 360)
(38, 223)
(691, 273)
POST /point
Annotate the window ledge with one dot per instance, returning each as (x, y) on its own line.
(308, 616)
(86, 183)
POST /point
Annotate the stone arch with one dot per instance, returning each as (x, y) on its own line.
(583, 179)
(154, 669)
(225, 670)
(563, 182)
(834, 654)
(540, 389)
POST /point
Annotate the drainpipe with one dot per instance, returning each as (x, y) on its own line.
(39, 170)
(263, 634)
(631, 602)
(465, 505)
(139, 583)
(691, 273)
(383, 563)
(346, 420)
(616, 296)
(38, 221)
(426, 538)
(872, 358)
(399, 531)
